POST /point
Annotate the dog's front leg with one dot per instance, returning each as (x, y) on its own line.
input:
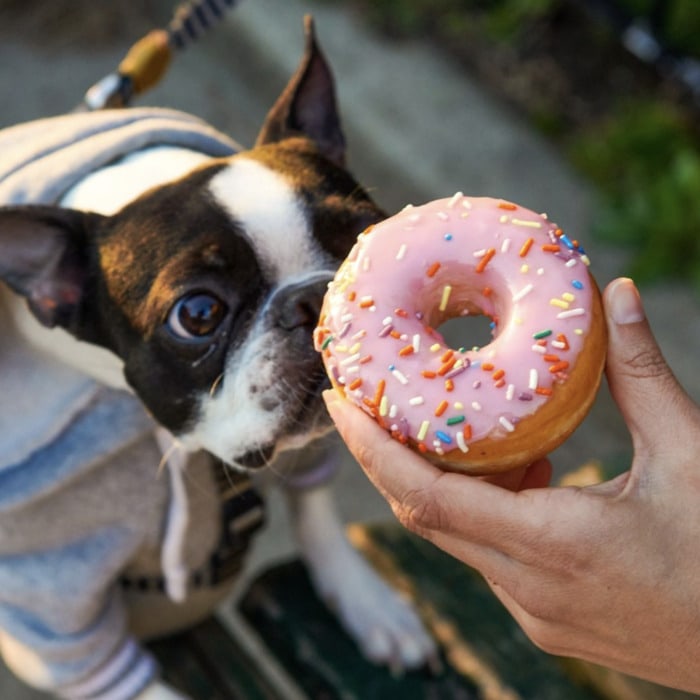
(385, 626)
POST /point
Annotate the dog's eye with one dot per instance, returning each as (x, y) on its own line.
(196, 316)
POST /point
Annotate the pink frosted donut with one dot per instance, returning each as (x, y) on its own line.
(479, 410)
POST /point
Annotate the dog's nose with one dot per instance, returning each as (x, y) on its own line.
(298, 305)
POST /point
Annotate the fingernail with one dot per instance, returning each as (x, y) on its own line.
(625, 302)
(330, 396)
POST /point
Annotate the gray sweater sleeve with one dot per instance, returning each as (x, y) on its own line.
(63, 604)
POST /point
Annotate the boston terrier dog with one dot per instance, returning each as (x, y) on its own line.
(193, 283)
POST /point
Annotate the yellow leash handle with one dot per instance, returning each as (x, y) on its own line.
(147, 61)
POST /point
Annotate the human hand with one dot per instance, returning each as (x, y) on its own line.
(609, 573)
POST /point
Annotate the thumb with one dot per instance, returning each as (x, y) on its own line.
(653, 404)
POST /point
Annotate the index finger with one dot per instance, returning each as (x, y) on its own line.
(426, 499)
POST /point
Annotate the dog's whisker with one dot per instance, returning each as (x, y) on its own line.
(215, 385)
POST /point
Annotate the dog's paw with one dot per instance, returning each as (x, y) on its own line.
(157, 690)
(385, 626)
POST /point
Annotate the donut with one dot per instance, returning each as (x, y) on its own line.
(479, 410)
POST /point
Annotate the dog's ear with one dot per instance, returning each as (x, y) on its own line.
(44, 257)
(308, 106)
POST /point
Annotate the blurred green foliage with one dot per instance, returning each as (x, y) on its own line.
(682, 21)
(646, 160)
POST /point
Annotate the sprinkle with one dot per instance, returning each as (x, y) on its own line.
(406, 350)
(559, 367)
(568, 296)
(433, 269)
(578, 331)
(504, 219)
(386, 330)
(485, 260)
(449, 385)
(435, 347)
(352, 295)
(398, 374)
(524, 268)
(446, 291)
(428, 374)
(366, 263)
(551, 358)
(526, 247)
(379, 392)
(416, 342)
(525, 396)
(454, 199)
(455, 420)
(448, 236)
(466, 204)
(551, 248)
(443, 437)
(327, 342)
(505, 246)
(457, 369)
(534, 380)
(447, 356)
(571, 312)
(355, 348)
(523, 292)
(527, 224)
(559, 303)
(506, 424)
(467, 432)
(577, 284)
(355, 384)
(366, 302)
(349, 360)
(498, 374)
(416, 401)
(383, 406)
(542, 334)
(443, 216)
(487, 367)
(510, 391)
(543, 391)
(393, 410)
(442, 407)
(476, 405)
(423, 430)
(540, 271)
(507, 205)
(461, 443)
(539, 348)
(487, 291)
(402, 252)
(447, 366)
(585, 260)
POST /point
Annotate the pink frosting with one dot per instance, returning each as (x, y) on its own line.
(430, 263)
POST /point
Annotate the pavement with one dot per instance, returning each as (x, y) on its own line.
(418, 128)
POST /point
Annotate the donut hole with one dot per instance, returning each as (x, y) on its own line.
(467, 331)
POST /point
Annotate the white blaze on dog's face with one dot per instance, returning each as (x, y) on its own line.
(267, 397)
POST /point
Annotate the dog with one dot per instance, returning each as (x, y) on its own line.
(163, 309)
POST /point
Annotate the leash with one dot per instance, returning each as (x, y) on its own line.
(148, 59)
